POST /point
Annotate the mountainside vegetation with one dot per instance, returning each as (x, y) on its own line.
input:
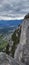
(16, 39)
(5, 43)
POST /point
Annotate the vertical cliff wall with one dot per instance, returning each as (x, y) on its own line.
(24, 39)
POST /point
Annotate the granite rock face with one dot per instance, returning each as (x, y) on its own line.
(22, 51)
(21, 56)
(7, 60)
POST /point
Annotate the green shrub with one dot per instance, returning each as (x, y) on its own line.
(15, 40)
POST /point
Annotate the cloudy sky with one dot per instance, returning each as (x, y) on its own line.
(14, 8)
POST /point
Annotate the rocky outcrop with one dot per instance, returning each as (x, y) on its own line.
(7, 60)
(22, 51)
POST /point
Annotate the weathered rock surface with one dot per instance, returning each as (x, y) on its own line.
(22, 51)
(7, 60)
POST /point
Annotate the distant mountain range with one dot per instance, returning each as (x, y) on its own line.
(9, 25)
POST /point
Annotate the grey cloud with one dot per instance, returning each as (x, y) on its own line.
(13, 7)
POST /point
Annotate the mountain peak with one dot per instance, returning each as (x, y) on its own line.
(27, 16)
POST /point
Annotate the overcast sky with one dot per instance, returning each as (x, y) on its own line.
(14, 8)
